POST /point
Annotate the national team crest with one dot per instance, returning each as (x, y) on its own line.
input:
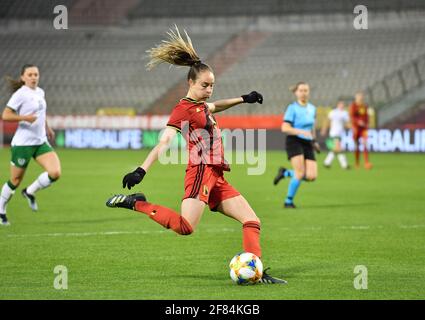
(205, 190)
(22, 161)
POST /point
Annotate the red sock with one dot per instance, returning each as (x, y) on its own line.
(357, 153)
(365, 152)
(164, 216)
(251, 237)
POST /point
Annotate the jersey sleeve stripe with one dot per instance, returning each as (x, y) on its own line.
(174, 127)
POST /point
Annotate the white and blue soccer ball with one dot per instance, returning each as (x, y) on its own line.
(246, 268)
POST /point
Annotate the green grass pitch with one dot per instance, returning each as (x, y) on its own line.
(372, 218)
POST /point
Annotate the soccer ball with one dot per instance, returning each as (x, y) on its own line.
(246, 268)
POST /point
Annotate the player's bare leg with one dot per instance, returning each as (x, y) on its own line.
(367, 164)
(50, 163)
(310, 170)
(298, 163)
(7, 191)
(239, 209)
(16, 175)
(192, 210)
(337, 148)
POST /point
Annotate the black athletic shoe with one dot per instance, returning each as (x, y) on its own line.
(31, 200)
(279, 176)
(3, 219)
(123, 201)
(289, 205)
(268, 279)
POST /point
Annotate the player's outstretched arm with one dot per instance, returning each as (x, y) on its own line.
(224, 104)
(10, 115)
(135, 177)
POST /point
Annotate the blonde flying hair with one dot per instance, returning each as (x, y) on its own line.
(179, 52)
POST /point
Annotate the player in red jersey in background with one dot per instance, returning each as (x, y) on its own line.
(360, 122)
(204, 182)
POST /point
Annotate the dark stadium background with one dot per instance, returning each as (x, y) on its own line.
(96, 66)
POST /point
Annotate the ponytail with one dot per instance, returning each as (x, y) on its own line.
(16, 84)
(179, 52)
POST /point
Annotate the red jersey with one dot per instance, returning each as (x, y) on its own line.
(199, 128)
(359, 115)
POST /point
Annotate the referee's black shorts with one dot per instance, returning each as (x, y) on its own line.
(296, 146)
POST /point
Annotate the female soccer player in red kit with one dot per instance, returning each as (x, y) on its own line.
(360, 122)
(204, 182)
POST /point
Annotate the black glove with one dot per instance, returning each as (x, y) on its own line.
(133, 178)
(253, 97)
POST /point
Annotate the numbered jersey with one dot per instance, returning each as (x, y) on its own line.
(27, 101)
(200, 130)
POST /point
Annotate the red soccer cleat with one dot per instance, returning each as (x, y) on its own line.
(368, 166)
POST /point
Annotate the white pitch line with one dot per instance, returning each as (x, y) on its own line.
(356, 227)
(414, 226)
(222, 230)
(80, 234)
(106, 233)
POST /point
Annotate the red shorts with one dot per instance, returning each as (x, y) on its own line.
(359, 132)
(208, 184)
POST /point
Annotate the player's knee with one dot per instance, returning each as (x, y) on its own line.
(299, 174)
(55, 174)
(311, 177)
(16, 181)
(253, 218)
(256, 219)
